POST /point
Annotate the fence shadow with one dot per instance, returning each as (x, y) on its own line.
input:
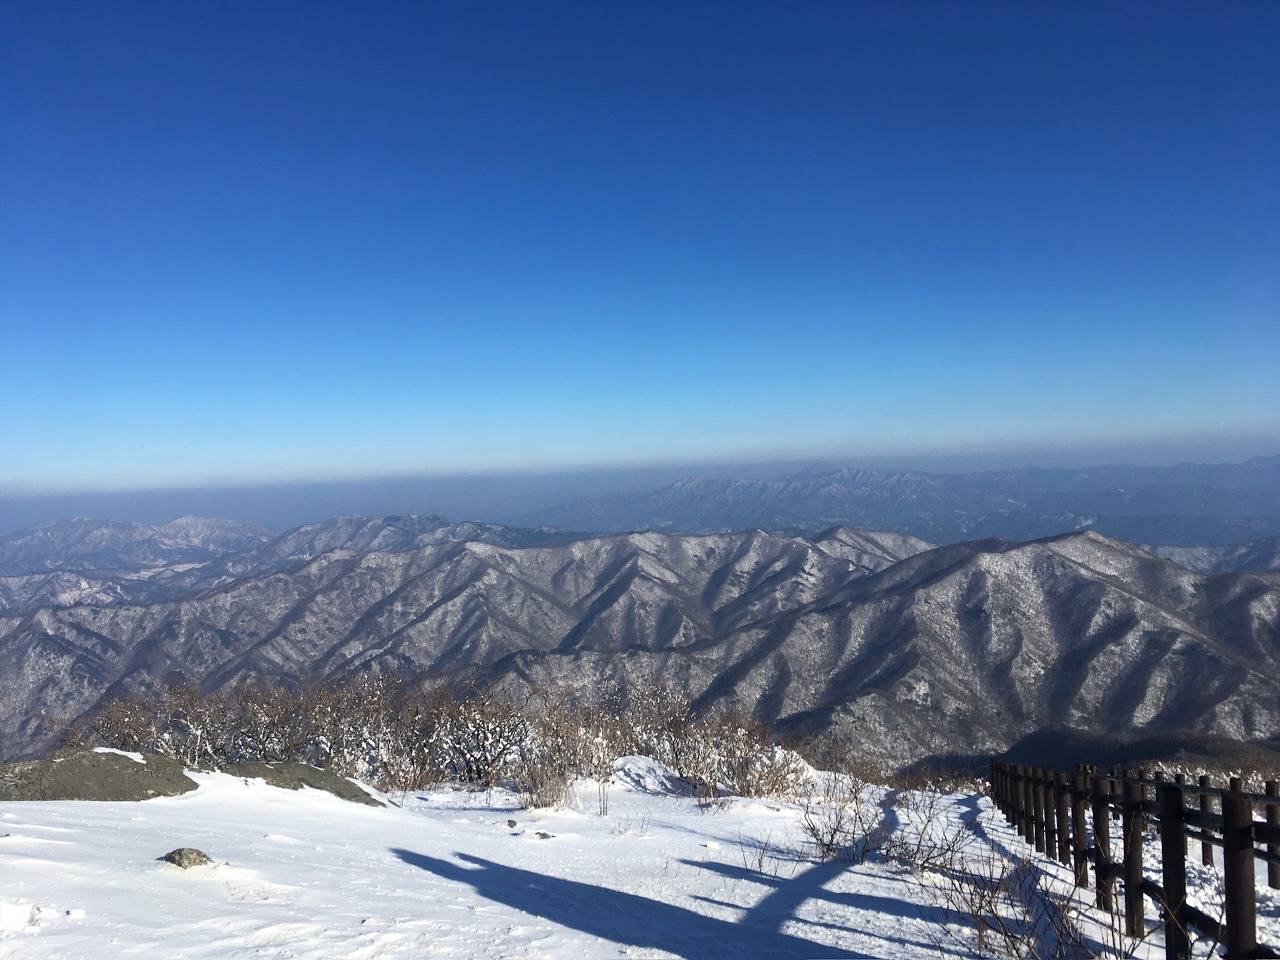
(634, 920)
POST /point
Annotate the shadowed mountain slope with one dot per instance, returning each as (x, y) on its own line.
(904, 651)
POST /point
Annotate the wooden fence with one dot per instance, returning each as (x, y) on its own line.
(1068, 816)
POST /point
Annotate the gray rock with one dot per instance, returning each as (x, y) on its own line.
(295, 776)
(512, 824)
(86, 775)
(187, 857)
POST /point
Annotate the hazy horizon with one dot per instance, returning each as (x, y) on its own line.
(506, 496)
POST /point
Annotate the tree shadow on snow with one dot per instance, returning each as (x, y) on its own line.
(638, 921)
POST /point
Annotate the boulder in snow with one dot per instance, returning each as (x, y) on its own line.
(187, 857)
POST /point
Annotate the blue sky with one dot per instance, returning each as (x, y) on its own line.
(261, 241)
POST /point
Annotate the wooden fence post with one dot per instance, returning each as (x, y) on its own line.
(1011, 777)
(1157, 781)
(1237, 875)
(1028, 805)
(1049, 803)
(1061, 794)
(1078, 843)
(1206, 807)
(1273, 818)
(1037, 806)
(1019, 801)
(1102, 842)
(1132, 823)
(1005, 793)
(1173, 865)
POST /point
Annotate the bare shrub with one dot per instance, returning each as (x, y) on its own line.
(127, 723)
(936, 779)
(840, 817)
(720, 752)
(764, 858)
(403, 734)
(658, 723)
(926, 838)
(1011, 909)
(543, 780)
(627, 826)
(482, 736)
(994, 908)
(274, 723)
(198, 729)
(750, 765)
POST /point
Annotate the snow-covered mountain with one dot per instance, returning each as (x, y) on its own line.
(1189, 504)
(114, 545)
(905, 649)
(88, 562)
(1257, 555)
(392, 534)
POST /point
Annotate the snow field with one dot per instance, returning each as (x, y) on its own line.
(302, 874)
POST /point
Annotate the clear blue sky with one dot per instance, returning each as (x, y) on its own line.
(247, 241)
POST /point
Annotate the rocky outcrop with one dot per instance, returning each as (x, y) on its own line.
(94, 775)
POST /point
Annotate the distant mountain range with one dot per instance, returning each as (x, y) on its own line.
(1184, 505)
(881, 639)
(98, 545)
(1261, 554)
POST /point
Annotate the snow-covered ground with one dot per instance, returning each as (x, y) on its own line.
(306, 875)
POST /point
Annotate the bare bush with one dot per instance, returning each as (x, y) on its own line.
(995, 908)
(402, 735)
(840, 817)
(543, 780)
(936, 779)
(752, 766)
(198, 729)
(482, 737)
(274, 723)
(926, 838)
(127, 723)
(1012, 909)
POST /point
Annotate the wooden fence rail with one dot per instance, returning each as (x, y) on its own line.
(1068, 817)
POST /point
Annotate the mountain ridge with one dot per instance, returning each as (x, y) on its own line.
(869, 635)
